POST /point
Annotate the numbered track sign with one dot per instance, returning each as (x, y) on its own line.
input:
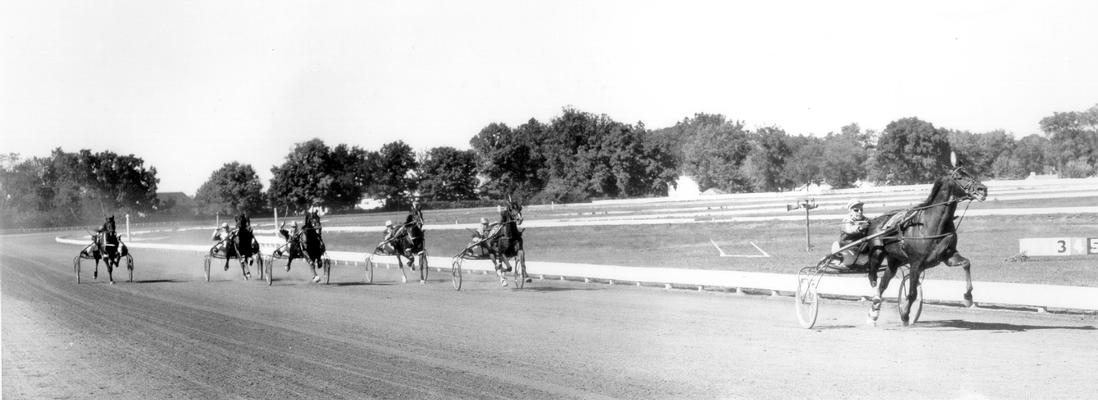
(1058, 246)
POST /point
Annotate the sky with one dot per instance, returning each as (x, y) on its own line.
(189, 86)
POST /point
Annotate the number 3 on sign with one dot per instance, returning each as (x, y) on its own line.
(1061, 246)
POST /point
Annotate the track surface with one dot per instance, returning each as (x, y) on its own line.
(170, 334)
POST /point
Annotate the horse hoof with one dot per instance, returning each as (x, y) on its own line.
(403, 280)
(316, 279)
(422, 282)
(503, 282)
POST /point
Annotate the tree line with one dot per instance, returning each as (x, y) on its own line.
(576, 156)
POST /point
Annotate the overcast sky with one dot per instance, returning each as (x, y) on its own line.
(192, 85)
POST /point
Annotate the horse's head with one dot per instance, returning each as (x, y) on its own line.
(966, 186)
(513, 211)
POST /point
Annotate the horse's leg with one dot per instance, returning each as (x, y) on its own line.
(314, 263)
(498, 267)
(95, 274)
(914, 270)
(400, 264)
(423, 267)
(967, 265)
(110, 270)
(243, 266)
(289, 260)
(882, 285)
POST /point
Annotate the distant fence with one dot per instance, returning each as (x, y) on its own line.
(1039, 297)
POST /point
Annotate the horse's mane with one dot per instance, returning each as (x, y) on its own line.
(933, 193)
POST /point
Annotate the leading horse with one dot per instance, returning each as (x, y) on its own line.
(111, 249)
(244, 245)
(408, 242)
(311, 242)
(505, 242)
(922, 237)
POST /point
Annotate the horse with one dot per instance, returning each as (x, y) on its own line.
(243, 244)
(408, 242)
(111, 250)
(311, 243)
(505, 242)
(921, 237)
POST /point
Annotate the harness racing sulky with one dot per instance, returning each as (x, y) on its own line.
(306, 243)
(106, 246)
(406, 242)
(907, 243)
(239, 244)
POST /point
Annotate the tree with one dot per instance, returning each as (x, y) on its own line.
(911, 151)
(1029, 155)
(316, 175)
(1073, 140)
(766, 161)
(805, 164)
(393, 175)
(978, 152)
(449, 174)
(230, 190)
(715, 154)
(69, 188)
(350, 175)
(510, 160)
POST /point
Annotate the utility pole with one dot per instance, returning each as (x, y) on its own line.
(806, 204)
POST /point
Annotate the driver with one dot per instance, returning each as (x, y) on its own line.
(852, 228)
(480, 235)
(221, 236)
(855, 225)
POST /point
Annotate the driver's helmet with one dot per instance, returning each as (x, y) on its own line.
(224, 225)
(484, 221)
(388, 223)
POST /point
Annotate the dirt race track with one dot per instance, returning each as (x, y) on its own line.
(170, 334)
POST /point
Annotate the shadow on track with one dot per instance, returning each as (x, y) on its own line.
(556, 289)
(994, 326)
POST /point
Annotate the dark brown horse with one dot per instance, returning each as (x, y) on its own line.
(922, 237)
(505, 242)
(408, 242)
(311, 242)
(111, 249)
(243, 245)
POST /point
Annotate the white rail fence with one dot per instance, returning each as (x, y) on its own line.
(1039, 297)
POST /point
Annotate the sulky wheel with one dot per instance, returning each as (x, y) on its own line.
(423, 267)
(206, 267)
(76, 267)
(267, 268)
(327, 264)
(455, 272)
(916, 306)
(807, 300)
(519, 269)
(369, 268)
(129, 266)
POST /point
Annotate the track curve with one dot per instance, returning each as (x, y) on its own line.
(171, 334)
